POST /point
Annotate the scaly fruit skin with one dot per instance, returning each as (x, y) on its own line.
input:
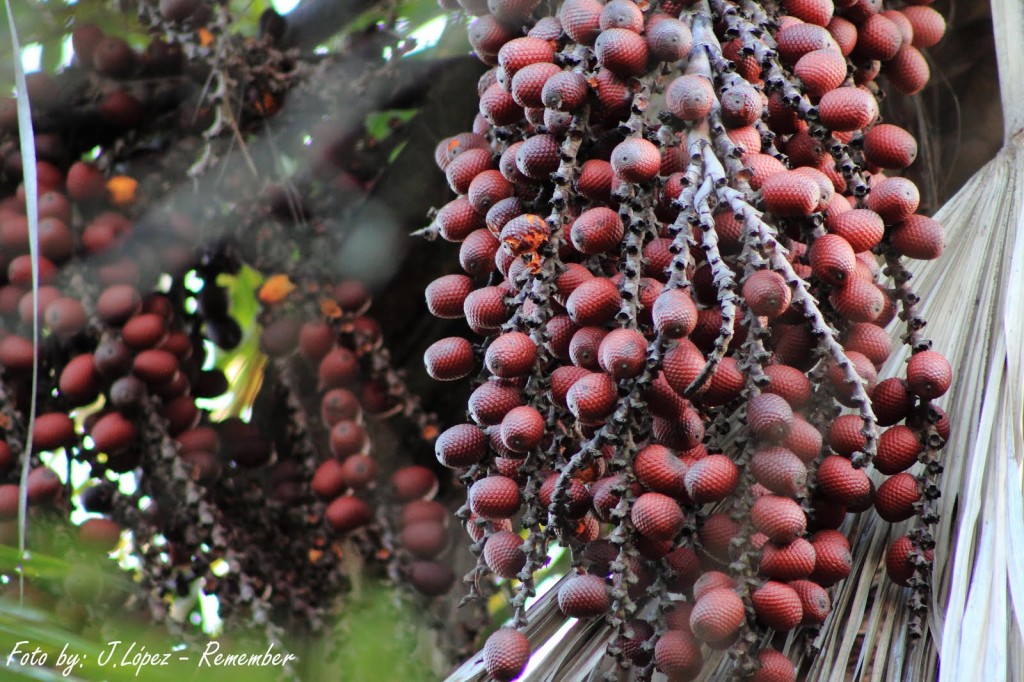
(584, 596)
(506, 653)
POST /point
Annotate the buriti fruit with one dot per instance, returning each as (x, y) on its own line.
(669, 301)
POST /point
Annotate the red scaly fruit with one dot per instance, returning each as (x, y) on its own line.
(844, 32)
(503, 554)
(675, 313)
(789, 194)
(337, 405)
(79, 382)
(584, 347)
(892, 401)
(584, 596)
(747, 138)
(358, 471)
(712, 580)
(457, 219)
(682, 364)
(450, 147)
(790, 383)
(711, 479)
(476, 255)
(449, 359)
(506, 653)
(895, 498)
(635, 160)
(346, 514)
(878, 38)
(741, 104)
(777, 605)
(522, 429)
(818, 12)
(839, 482)
(833, 561)
(678, 619)
(928, 26)
(623, 353)
(487, 189)
(847, 109)
(690, 97)
(832, 259)
(593, 302)
(845, 435)
(668, 39)
(725, 385)
(908, 71)
(347, 438)
(862, 228)
(773, 666)
(683, 432)
(659, 470)
(868, 339)
(621, 51)
(413, 482)
(770, 417)
(825, 185)
(561, 330)
(577, 501)
(902, 23)
(597, 230)
(746, 65)
(424, 539)
(613, 96)
(494, 497)
(894, 199)
(528, 83)
(717, 615)
(929, 374)
(486, 36)
(804, 440)
(466, 166)
(919, 237)
(797, 40)
(899, 560)
(520, 52)
(112, 433)
(716, 535)
(677, 654)
(498, 108)
(814, 600)
(538, 157)
(898, 448)
(686, 564)
(787, 562)
(622, 14)
(657, 516)
(781, 519)
(562, 379)
(446, 296)
(524, 234)
(510, 355)
(581, 20)
(595, 180)
(592, 397)
(859, 300)
(564, 91)
(462, 445)
(485, 308)
(779, 470)
(889, 146)
(766, 293)
(658, 252)
(764, 166)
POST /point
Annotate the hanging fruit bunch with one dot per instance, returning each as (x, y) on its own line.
(682, 229)
(312, 474)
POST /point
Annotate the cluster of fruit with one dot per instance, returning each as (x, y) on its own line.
(131, 304)
(684, 315)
